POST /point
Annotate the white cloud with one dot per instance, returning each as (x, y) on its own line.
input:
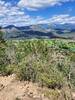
(2, 2)
(13, 15)
(10, 15)
(36, 4)
(60, 19)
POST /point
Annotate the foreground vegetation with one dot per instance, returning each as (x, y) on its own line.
(50, 63)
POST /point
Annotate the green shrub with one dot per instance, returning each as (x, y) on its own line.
(48, 62)
(3, 61)
(39, 64)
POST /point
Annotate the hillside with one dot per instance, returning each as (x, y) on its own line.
(48, 63)
(37, 49)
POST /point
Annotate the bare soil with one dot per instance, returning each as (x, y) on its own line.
(12, 89)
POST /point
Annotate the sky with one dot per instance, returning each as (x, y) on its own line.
(32, 12)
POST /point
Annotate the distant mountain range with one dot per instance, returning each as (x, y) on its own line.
(40, 31)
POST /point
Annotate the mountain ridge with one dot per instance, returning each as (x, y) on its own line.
(39, 31)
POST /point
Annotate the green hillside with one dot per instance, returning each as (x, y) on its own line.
(50, 63)
(37, 60)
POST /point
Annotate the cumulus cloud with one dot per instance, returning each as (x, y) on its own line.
(59, 19)
(62, 19)
(36, 4)
(13, 15)
(2, 2)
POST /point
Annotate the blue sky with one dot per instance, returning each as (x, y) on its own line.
(27, 12)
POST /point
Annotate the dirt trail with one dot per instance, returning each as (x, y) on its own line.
(11, 89)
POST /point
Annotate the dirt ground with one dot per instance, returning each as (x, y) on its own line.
(12, 89)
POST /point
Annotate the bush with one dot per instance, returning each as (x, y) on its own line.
(38, 71)
(43, 61)
(3, 57)
(39, 64)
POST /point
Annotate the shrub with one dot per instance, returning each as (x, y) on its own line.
(39, 64)
(43, 61)
(3, 61)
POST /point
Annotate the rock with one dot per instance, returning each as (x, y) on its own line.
(37, 97)
(30, 94)
(1, 86)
